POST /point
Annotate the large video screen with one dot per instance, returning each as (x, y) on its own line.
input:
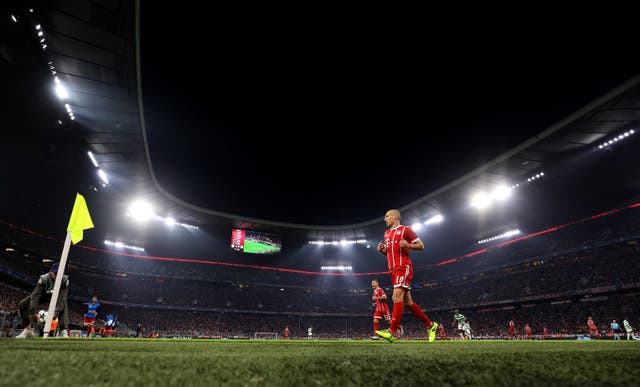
(254, 242)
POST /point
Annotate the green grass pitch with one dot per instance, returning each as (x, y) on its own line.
(258, 248)
(143, 362)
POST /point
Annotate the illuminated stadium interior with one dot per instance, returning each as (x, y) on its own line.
(545, 230)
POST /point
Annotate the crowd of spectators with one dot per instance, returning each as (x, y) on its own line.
(554, 280)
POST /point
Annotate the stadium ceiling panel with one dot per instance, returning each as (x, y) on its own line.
(93, 48)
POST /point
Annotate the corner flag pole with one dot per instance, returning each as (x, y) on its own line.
(56, 287)
(80, 220)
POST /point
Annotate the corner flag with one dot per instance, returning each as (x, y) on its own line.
(80, 219)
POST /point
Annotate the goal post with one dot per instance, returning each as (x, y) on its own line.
(265, 336)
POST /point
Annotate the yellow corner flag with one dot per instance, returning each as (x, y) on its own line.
(80, 219)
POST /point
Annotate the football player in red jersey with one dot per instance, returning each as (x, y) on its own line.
(512, 329)
(527, 331)
(398, 240)
(593, 330)
(286, 333)
(382, 309)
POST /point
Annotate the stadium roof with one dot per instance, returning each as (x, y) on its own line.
(93, 50)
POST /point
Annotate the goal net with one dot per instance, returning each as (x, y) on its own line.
(265, 336)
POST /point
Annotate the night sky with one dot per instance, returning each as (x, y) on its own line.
(303, 123)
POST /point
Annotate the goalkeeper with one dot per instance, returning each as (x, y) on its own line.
(42, 294)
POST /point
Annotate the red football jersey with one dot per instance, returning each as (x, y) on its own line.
(591, 324)
(397, 256)
(380, 304)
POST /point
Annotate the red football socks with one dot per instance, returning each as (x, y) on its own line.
(396, 316)
(417, 311)
(376, 325)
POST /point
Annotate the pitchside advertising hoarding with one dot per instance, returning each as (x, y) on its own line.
(254, 242)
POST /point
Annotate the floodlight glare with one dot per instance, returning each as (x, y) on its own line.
(416, 226)
(93, 159)
(435, 219)
(61, 91)
(141, 211)
(14, 19)
(480, 200)
(103, 176)
(169, 221)
(501, 192)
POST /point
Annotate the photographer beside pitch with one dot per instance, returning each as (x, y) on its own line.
(398, 240)
(42, 294)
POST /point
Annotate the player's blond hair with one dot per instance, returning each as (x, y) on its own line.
(396, 212)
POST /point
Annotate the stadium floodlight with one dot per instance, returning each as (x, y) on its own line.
(505, 234)
(40, 33)
(480, 200)
(120, 245)
(343, 242)
(190, 226)
(169, 221)
(93, 159)
(38, 27)
(15, 20)
(103, 176)
(435, 219)
(61, 91)
(536, 176)
(336, 268)
(615, 139)
(501, 192)
(140, 211)
(416, 226)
